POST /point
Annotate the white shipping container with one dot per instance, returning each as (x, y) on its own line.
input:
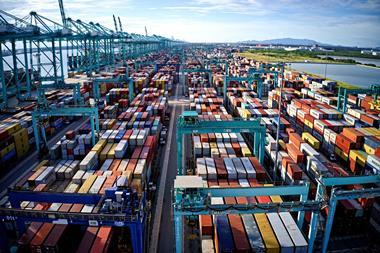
(308, 150)
(232, 174)
(123, 165)
(77, 178)
(282, 235)
(251, 172)
(297, 237)
(239, 168)
(207, 246)
(87, 208)
(201, 168)
(211, 168)
(95, 188)
(106, 164)
(121, 148)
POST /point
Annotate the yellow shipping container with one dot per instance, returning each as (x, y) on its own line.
(20, 134)
(246, 152)
(341, 154)
(111, 152)
(136, 184)
(309, 124)
(374, 131)
(106, 149)
(368, 149)
(311, 140)
(99, 146)
(11, 129)
(359, 156)
(7, 149)
(87, 184)
(282, 144)
(128, 174)
(245, 114)
(213, 145)
(267, 233)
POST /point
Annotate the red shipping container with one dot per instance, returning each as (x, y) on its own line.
(40, 237)
(220, 168)
(289, 130)
(238, 233)
(87, 240)
(261, 174)
(353, 135)
(101, 241)
(76, 208)
(286, 161)
(294, 171)
(54, 237)
(205, 223)
(131, 165)
(31, 231)
(344, 143)
(136, 152)
(64, 208)
(115, 164)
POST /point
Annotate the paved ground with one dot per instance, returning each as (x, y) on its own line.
(162, 238)
(32, 160)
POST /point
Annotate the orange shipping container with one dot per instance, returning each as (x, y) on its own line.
(296, 140)
(295, 153)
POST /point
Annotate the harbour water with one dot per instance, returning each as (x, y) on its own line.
(357, 59)
(357, 75)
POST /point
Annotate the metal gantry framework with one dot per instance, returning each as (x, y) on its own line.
(135, 221)
(199, 70)
(35, 49)
(120, 79)
(37, 114)
(41, 97)
(343, 92)
(189, 123)
(195, 199)
(340, 194)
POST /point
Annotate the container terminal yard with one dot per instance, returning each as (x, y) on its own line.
(119, 142)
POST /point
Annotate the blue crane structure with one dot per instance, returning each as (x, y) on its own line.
(265, 68)
(193, 197)
(38, 113)
(41, 97)
(117, 208)
(190, 123)
(33, 50)
(343, 92)
(199, 70)
(337, 194)
(120, 79)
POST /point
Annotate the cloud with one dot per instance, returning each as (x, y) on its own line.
(346, 22)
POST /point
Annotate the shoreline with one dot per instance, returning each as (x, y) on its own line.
(339, 83)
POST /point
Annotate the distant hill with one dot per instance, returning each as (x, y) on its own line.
(285, 41)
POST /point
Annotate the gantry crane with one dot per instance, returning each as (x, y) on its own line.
(374, 90)
(190, 123)
(37, 45)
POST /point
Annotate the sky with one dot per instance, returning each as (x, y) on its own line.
(337, 22)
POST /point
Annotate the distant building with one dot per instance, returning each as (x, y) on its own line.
(371, 52)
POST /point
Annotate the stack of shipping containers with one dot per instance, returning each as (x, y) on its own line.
(124, 156)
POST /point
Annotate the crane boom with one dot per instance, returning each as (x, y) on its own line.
(146, 31)
(114, 21)
(62, 10)
(121, 28)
